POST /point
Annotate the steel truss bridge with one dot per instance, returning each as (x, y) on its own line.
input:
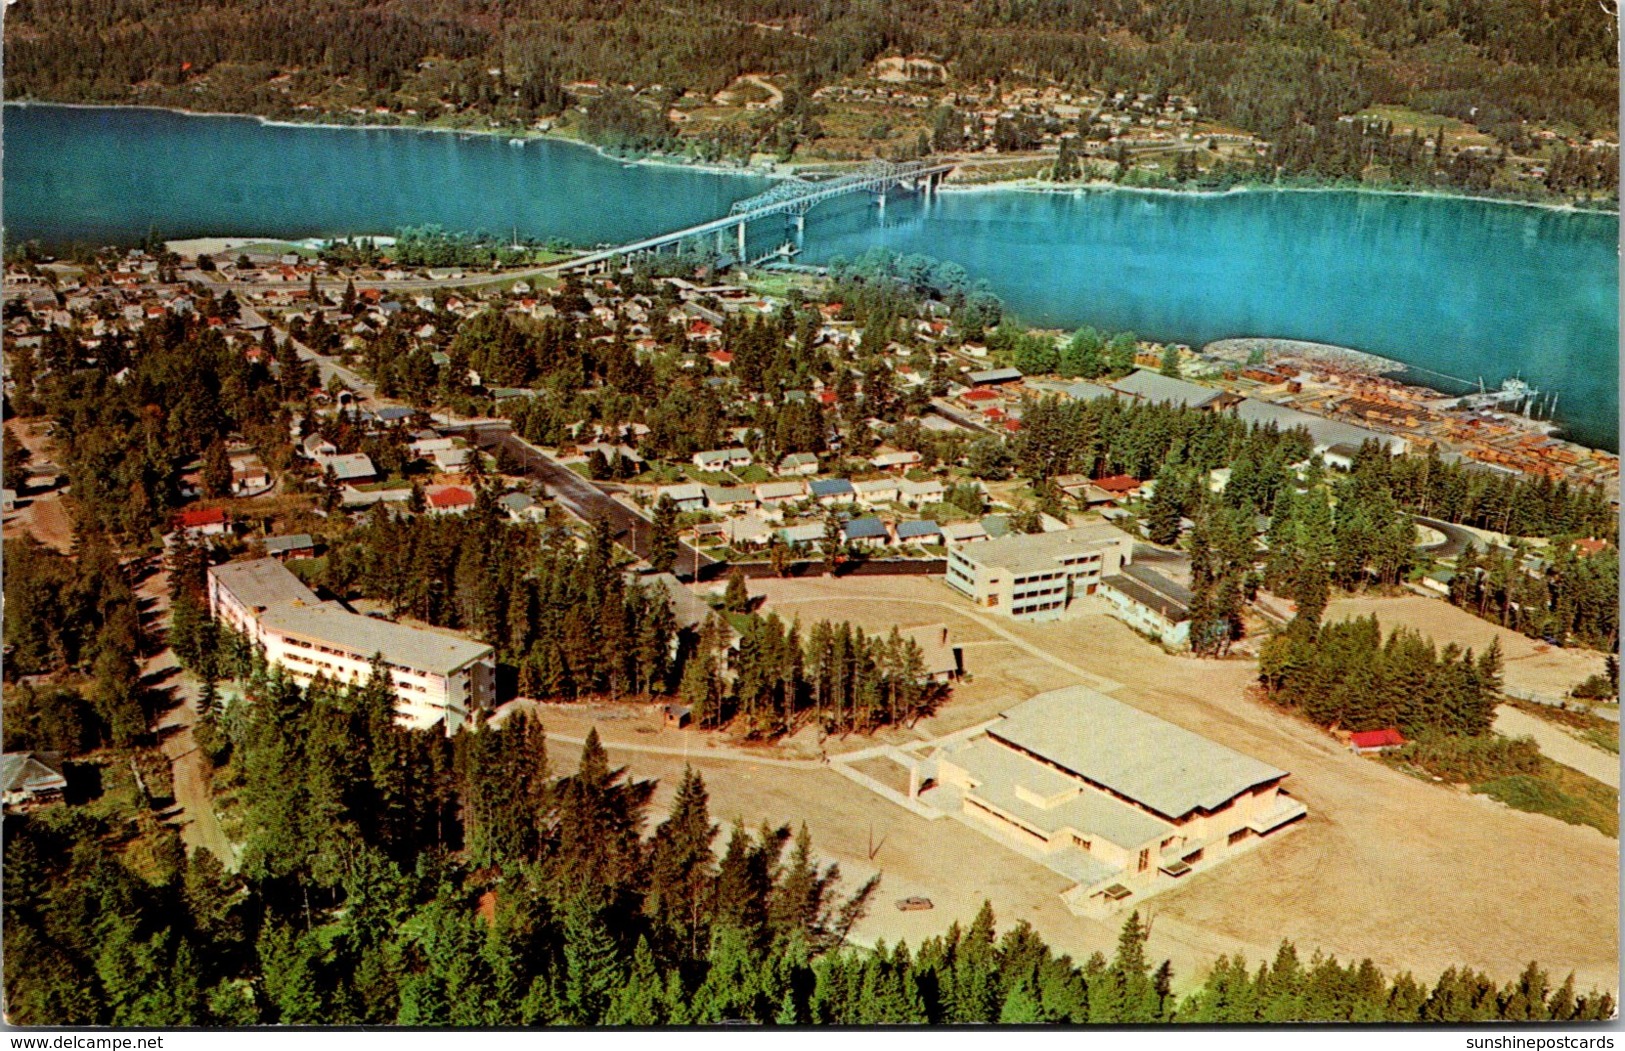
(793, 197)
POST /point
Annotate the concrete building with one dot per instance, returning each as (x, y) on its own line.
(1036, 576)
(1123, 803)
(438, 677)
(1150, 603)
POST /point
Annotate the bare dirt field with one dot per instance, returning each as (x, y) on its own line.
(1531, 665)
(40, 514)
(1414, 875)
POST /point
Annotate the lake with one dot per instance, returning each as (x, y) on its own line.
(1467, 289)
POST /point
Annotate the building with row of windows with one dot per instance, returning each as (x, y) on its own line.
(438, 677)
(1037, 576)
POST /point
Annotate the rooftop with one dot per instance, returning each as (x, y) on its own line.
(275, 545)
(1163, 767)
(1326, 434)
(1155, 387)
(262, 583)
(1033, 552)
(999, 771)
(399, 644)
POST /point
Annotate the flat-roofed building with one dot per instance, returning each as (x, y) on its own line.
(1120, 801)
(438, 677)
(1324, 433)
(1036, 576)
(1151, 603)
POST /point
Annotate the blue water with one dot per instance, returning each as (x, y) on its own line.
(1467, 289)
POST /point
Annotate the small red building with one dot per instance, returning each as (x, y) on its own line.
(1367, 742)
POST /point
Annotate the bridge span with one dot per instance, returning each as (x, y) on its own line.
(794, 197)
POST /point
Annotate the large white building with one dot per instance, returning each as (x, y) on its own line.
(1123, 803)
(1036, 576)
(438, 677)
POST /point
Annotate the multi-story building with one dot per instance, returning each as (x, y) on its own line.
(1036, 576)
(438, 677)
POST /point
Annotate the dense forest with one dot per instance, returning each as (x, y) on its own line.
(398, 877)
(1347, 674)
(1284, 70)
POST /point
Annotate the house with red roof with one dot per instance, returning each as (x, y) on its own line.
(450, 500)
(211, 522)
(1118, 485)
(1370, 742)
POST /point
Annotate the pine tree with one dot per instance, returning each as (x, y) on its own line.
(592, 969)
(663, 536)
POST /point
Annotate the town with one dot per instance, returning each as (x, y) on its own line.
(776, 473)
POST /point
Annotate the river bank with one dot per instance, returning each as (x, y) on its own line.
(1031, 185)
(777, 170)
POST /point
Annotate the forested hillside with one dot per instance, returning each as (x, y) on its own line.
(1264, 65)
(400, 877)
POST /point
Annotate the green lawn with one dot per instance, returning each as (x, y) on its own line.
(1559, 792)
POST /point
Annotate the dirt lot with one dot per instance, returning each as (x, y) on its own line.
(1530, 664)
(1408, 873)
(41, 514)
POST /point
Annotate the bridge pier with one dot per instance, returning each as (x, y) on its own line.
(741, 240)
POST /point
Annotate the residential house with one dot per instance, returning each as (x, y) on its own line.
(748, 530)
(522, 507)
(449, 500)
(723, 459)
(350, 468)
(729, 498)
(30, 779)
(196, 523)
(964, 532)
(799, 464)
(806, 535)
(866, 532)
(876, 492)
(690, 496)
(282, 548)
(777, 494)
(895, 461)
(923, 531)
(829, 491)
(918, 494)
(315, 447)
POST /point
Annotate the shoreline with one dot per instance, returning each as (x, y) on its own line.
(780, 171)
(1082, 189)
(528, 135)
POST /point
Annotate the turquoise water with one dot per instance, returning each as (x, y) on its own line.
(1466, 289)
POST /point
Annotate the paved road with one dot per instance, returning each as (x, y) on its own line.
(1559, 746)
(328, 368)
(588, 502)
(1455, 540)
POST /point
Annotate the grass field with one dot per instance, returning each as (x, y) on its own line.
(1559, 792)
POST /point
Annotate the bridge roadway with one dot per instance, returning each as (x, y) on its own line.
(793, 196)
